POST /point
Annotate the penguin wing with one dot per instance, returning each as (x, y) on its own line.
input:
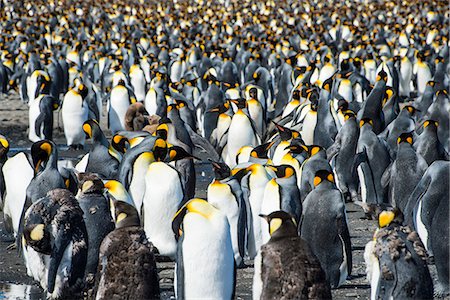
(414, 199)
(202, 145)
(344, 233)
(386, 177)
(334, 149)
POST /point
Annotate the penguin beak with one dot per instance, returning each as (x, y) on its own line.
(385, 218)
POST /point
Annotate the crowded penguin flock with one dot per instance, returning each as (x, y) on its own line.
(298, 106)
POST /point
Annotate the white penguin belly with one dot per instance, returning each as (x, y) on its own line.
(150, 102)
(270, 203)
(421, 229)
(309, 124)
(255, 199)
(33, 113)
(163, 195)
(405, 75)
(423, 76)
(207, 258)
(74, 114)
(138, 83)
(118, 108)
(279, 153)
(240, 134)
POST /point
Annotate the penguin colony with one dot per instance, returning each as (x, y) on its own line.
(300, 107)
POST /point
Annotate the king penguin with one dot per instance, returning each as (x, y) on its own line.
(128, 266)
(286, 268)
(324, 227)
(75, 112)
(205, 263)
(396, 261)
(119, 101)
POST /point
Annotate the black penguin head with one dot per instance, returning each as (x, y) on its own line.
(43, 83)
(119, 143)
(365, 121)
(177, 153)
(297, 148)
(342, 105)
(314, 104)
(382, 75)
(4, 148)
(411, 109)
(221, 170)
(83, 90)
(388, 217)
(222, 108)
(253, 92)
(286, 133)
(428, 123)
(125, 215)
(406, 137)
(323, 175)
(89, 183)
(121, 82)
(241, 103)
(35, 232)
(296, 95)
(171, 108)
(314, 149)
(328, 84)
(163, 128)
(349, 115)
(283, 171)
(90, 127)
(180, 104)
(41, 152)
(160, 149)
(281, 224)
(261, 151)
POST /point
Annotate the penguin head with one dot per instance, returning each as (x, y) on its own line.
(89, 183)
(4, 147)
(90, 127)
(83, 90)
(297, 148)
(382, 76)
(36, 234)
(261, 151)
(222, 108)
(323, 176)
(342, 105)
(365, 121)
(118, 142)
(116, 190)
(41, 152)
(286, 133)
(349, 115)
(388, 94)
(283, 171)
(410, 109)
(328, 84)
(406, 137)
(163, 128)
(253, 93)
(160, 149)
(241, 103)
(121, 82)
(196, 206)
(43, 84)
(427, 124)
(388, 217)
(281, 224)
(221, 170)
(177, 153)
(125, 214)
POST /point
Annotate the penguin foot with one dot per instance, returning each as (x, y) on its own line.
(242, 265)
(441, 290)
(13, 246)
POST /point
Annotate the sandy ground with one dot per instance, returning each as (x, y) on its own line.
(15, 284)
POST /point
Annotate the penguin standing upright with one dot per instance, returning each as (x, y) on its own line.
(96, 216)
(324, 227)
(286, 268)
(428, 145)
(404, 173)
(396, 261)
(241, 133)
(55, 243)
(343, 152)
(225, 194)
(128, 266)
(137, 81)
(203, 235)
(74, 113)
(428, 211)
(119, 101)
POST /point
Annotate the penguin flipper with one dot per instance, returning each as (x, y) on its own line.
(385, 179)
(62, 240)
(414, 199)
(343, 231)
(180, 269)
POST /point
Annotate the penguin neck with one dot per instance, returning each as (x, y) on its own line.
(285, 231)
(52, 162)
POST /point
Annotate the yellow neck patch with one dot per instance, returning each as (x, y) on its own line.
(274, 225)
(37, 233)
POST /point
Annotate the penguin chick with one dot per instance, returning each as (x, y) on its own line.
(285, 267)
(127, 266)
(136, 117)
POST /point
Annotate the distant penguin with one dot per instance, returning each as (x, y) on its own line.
(285, 266)
(404, 173)
(96, 216)
(396, 261)
(198, 225)
(324, 227)
(55, 243)
(127, 265)
(74, 113)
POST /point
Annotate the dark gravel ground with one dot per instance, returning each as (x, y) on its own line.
(15, 284)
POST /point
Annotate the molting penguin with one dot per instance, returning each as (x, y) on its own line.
(396, 261)
(324, 227)
(96, 216)
(55, 243)
(205, 263)
(285, 267)
(128, 267)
